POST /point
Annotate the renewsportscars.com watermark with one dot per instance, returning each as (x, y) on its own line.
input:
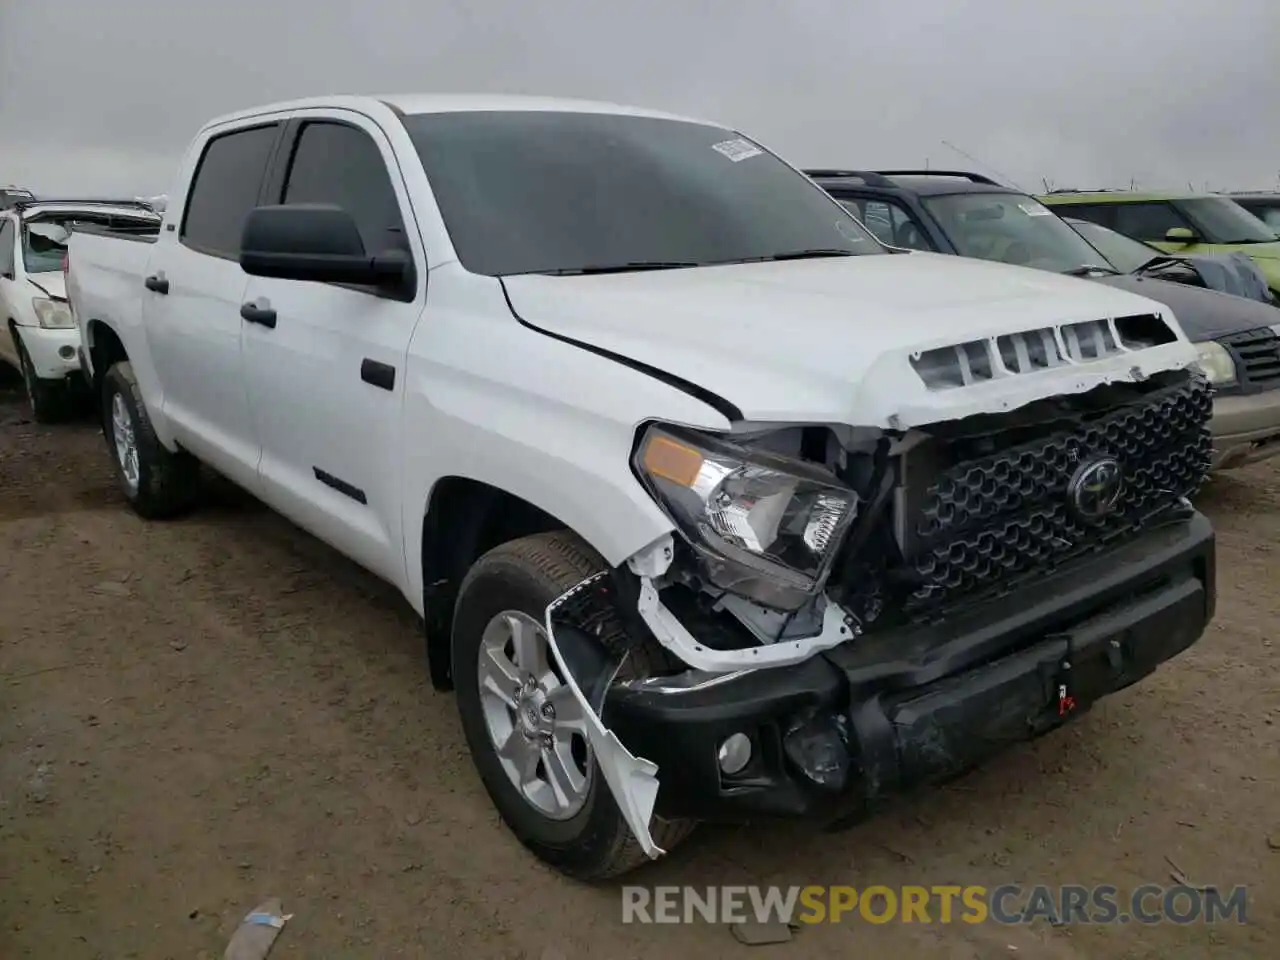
(1007, 904)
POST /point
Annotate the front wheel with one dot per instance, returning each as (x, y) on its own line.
(50, 400)
(525, 729)
(156, 482)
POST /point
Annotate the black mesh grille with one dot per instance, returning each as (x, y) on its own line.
(990, 523)
(1257, 357)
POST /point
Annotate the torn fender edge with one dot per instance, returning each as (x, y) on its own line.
(633, 781)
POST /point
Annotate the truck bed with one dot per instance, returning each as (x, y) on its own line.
(105, 270)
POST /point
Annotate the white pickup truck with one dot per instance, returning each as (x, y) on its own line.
(714, 507)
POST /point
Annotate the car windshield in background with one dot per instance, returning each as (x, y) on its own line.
(1265, 210)
(1012, 228)
(557, 192)
(1225, 221)
(1123, 253)
(44, 244)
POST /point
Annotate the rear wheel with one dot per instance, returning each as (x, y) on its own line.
(50, 400)
(156, 482)
(526, 732)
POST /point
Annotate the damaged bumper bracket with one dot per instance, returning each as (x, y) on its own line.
(671, 633)
(589, 649)
(633, 781)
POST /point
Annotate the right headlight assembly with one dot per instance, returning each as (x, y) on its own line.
(765, 526)
(1216, 362)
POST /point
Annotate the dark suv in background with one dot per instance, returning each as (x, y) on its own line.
(970, 215)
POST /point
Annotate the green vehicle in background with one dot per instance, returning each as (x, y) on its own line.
(1202, 223)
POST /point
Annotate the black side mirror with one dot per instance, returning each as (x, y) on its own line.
(320, 243)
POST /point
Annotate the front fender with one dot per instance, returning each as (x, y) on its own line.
(541, 419)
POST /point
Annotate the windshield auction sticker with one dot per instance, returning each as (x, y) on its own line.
(738, 149)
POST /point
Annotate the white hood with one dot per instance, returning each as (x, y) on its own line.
(50, 284)
(831, 340)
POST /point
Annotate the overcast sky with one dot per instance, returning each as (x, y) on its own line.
(103, 95)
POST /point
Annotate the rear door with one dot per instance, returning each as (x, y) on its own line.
(327, 376)
(191, 302)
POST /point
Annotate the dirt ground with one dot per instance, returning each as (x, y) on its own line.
(200, 714)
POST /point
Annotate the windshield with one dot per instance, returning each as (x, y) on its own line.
(1123, 253)
(44, 244)
(1268, 211)
(535, 192)
(1012, 228)
(1225, 221)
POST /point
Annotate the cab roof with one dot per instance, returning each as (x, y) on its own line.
(409, 104)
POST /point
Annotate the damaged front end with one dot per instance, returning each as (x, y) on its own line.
(850, 612)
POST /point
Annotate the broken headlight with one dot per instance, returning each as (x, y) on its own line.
(1216, 363)
(765, 526)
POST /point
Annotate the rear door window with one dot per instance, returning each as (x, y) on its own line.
(225, 189)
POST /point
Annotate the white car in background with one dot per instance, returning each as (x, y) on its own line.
(40, 338)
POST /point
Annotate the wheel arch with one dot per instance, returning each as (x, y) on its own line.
(463, 519)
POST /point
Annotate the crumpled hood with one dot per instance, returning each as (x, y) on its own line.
(1203, 314)
(52, 284)
(830, 340)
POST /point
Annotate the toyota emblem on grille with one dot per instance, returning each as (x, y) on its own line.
(1095, 488)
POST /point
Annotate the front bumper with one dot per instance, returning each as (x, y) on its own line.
(1246, 429)
(887, 713)
(53, 352)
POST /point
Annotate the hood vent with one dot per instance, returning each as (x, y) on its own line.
(1012, 354)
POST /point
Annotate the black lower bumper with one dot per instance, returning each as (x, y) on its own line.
(891, 712)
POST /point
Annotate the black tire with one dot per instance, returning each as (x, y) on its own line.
(526, 575)
(168, 484)
(50, 400)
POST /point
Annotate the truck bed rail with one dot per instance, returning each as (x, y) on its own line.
(135, 231)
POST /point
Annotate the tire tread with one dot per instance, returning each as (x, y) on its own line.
(50, 400)
(169, 483)
(560, 559)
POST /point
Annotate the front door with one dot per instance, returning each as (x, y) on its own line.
(326, 363)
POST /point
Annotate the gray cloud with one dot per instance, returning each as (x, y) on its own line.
(103, 97)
